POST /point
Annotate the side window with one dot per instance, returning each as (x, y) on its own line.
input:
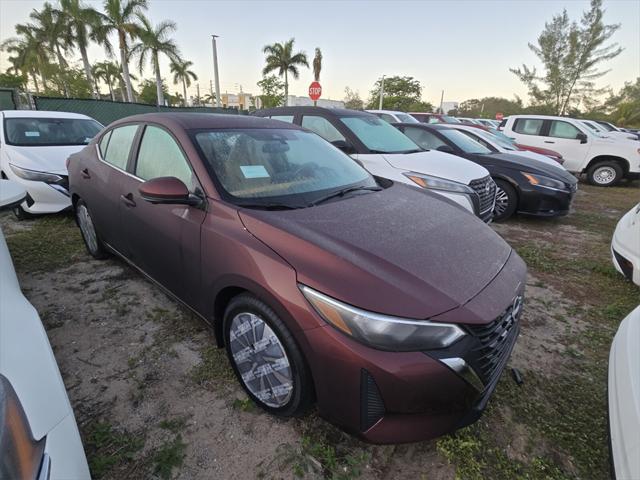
(423, 138)
(561, 129)
(104, 141)
(283, 118)
(119, 146)
(160, 156)
(322, 127)
(386, 117)
(481, 141)
(528, 126)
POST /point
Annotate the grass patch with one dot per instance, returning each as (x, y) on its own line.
(48, 243)
(108, 448)
(168, 456)
(174, 425)
(213, 368)
(244, 405)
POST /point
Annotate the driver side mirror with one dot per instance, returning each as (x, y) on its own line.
(168, 191)
(445, 149)
(345, 146)
(582, 137)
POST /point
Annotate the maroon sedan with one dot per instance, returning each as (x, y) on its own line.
(389, 306)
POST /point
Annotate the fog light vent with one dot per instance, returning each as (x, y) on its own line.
(371, 404)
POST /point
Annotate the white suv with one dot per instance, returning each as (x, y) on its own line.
(604, 160)
(393, 116)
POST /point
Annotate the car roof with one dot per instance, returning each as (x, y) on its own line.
(41, 114)
(333, 112)
(545, 117)
(189, 121)
(426, 126)
(392, 112)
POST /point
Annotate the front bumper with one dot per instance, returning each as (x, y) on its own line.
(396, 397)
(545, 202)
(43, 197)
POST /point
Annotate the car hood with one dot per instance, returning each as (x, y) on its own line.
(439, 164)
(42, 159)
(538, 157)
(401, 251)
(531, 165)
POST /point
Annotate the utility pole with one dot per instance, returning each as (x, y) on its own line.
(215, 69)
(441, 102)
(198, 94)
(381, 92)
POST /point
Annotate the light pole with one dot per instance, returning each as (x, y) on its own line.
(215, 69)
(381, 92)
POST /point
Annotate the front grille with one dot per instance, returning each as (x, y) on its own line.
(495, 342)
(485, 188)
(371, 404)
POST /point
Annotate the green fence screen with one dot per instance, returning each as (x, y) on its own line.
(7, 101)
(106, 111)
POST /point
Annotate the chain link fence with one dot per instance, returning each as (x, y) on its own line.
(107, 111)
(8, 99)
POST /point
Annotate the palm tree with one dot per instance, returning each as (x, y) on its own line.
(31, 54)
(84, 23)
(280, 56)
(181, 73)
(120, 17)
(153, 42)
(109, 72)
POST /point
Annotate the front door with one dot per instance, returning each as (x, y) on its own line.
(560, 136)
(163, 240)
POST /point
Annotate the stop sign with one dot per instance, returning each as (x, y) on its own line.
(499, 116)
(315, 90)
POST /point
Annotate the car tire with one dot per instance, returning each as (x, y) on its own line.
(506, 201)
(246, 317)
(92, 241)
(21, 214)
(604, 174)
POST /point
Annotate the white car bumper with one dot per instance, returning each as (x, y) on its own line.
(624, 398)
(65, 451)
(42, 197)
(625, 246)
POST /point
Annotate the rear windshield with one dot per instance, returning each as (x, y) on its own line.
(34, 132)
(378, 136)
(463, 142)
(406, 118)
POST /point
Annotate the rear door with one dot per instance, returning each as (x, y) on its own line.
(163, 240)
(528, 131)
(560, 136)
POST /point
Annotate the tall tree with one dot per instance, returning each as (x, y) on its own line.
(400, 93)
(84, 23)
(352, 100)
(108, 72)
(182, 73)
(121, 17)
(153, 42)
(571, 54)
(30, 55)
(280, 57)
(272, 91)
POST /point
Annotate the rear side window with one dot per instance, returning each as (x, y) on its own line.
(104, 142)
(424, 139)
(528, 126)
(322, 127)
(160, 156)
(386, 117)
(119, 146)
(561, 129)
(283, 118)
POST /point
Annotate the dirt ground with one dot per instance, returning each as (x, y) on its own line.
(153, 397)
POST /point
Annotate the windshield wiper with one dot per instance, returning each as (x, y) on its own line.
(415, 150)
(271, 206)
(342, 193)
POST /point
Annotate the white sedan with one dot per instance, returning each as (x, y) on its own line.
(34, 147)
(625, 245)
(624, 398)
(39, 437)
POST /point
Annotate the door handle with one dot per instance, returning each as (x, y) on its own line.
(85, 173)
(128, 200)
(548, 141)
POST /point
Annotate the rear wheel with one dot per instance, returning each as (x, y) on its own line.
(506, 201)
(265, 357)
(91, 239)
(604, 174)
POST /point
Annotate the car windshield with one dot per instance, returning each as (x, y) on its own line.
(606, 126)
(378, 136)
(448, 119)
(406, 118)
(505, 142)
(34, 132)
(289, 167)
(501, 136)
(463, 142)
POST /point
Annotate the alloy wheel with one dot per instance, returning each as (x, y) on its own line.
(604, 175)
(502, 202)
(261, 360)
(87, 228)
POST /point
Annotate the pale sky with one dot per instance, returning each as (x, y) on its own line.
(462, 46)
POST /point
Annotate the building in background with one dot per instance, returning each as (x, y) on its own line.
(448, 106)
(242, 100)
(294, 101)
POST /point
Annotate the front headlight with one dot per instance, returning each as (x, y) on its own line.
(437, 183)
(543, 181)
(34, 175)
(382, 332)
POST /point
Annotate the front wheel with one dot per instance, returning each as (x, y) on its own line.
(506, 201)
(265, 357)
(91, 239)
(604, 174)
